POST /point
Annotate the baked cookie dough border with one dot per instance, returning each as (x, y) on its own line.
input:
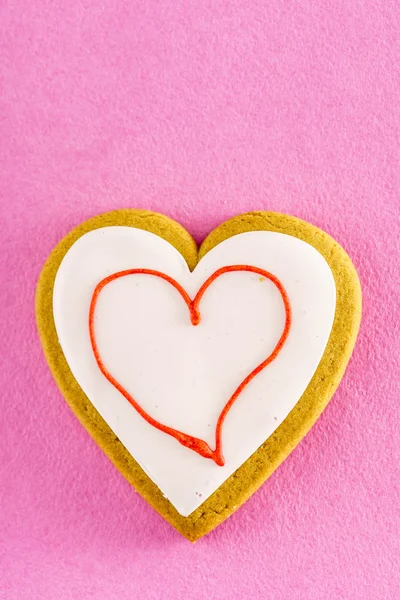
(254, 472)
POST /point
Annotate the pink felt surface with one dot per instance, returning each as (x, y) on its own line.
(200, 110)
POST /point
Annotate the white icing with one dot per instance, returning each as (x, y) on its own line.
(183, 375)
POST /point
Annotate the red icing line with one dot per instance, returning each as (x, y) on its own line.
(196, 444)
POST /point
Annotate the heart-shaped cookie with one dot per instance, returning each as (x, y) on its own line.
(197, 372)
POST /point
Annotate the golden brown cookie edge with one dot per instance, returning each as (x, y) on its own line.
(248, 478)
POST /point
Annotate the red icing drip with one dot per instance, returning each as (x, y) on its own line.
(193, 443)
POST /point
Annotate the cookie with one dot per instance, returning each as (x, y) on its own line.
(197, 371)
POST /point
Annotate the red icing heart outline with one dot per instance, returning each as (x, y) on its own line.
(193, 443)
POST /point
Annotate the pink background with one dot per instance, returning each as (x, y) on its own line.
(201, 110)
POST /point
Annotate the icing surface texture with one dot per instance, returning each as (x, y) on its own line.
(183, 375)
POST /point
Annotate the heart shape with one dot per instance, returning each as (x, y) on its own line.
(194, 443)
(245, 472)
(124, 312)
